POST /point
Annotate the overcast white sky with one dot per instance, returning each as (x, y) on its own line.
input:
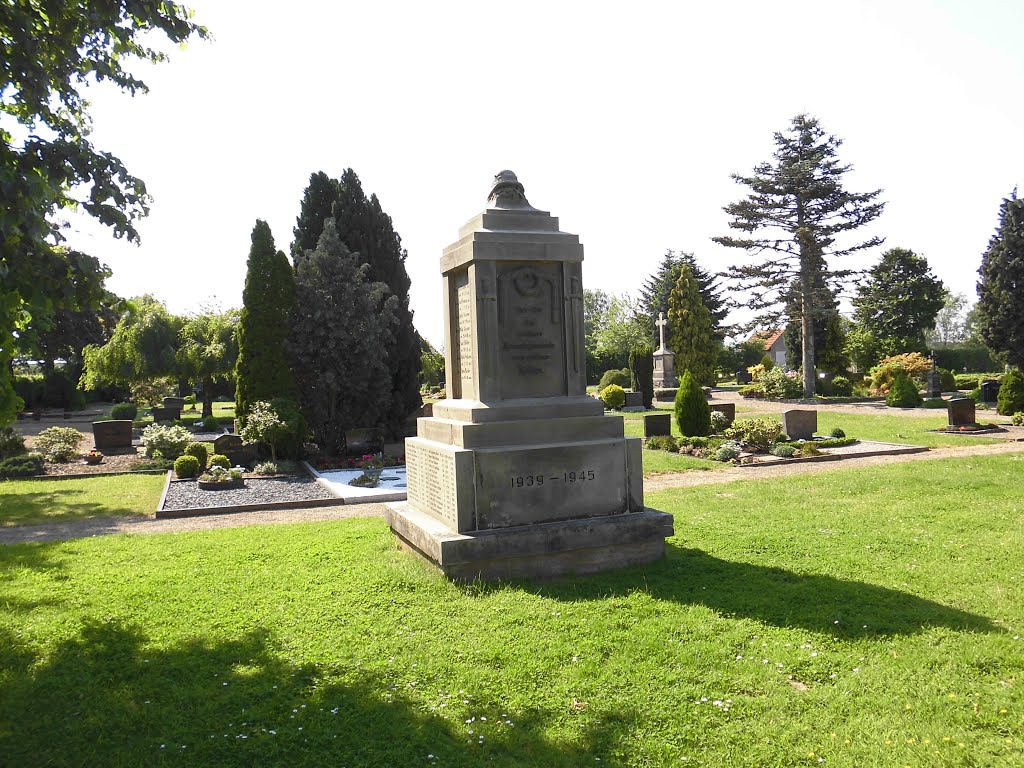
(623, 120)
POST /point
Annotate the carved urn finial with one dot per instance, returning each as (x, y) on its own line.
(507, 192)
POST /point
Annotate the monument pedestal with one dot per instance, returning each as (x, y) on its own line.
(519, 474)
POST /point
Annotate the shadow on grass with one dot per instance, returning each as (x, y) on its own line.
(848, 609)
(105, 697)
(38, 508)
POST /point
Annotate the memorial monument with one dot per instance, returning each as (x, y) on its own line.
(664, 359)
(518, 473)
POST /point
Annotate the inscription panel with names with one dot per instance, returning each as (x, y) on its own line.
(464, 307)
(531, 322)
(430, 474)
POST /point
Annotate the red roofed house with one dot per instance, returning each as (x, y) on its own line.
(774, 344)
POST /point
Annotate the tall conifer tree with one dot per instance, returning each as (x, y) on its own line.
(692, 336)
(1001, 287)
(655, 291)
(799, 207)
(268, 299)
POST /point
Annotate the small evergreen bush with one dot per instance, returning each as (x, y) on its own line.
(25, 465)
(124, 411)
(694, 442)
(613, 396)
(620, 377)
(59, 443)
(767, 363)
(211, 424)
(200, 451)
(841, 386)
(170, 441)
(662, 443)
(837, 432)
(1011, 393)
(966, 381)
(809, 449)
(975, 394)
(727, 452)
(947, 381)
(693, 414)
(835, 442)
(218, 460)
(186, 466)
(778, 386)
(903, 393)
(11, 443)
(782, 450)
(1017, 419)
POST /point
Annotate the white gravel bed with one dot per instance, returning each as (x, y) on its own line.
(186, 494)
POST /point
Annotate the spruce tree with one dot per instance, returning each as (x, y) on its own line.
(691, 335)
(268, 299)
(658, 287)
(799, 207)
(1000, 308)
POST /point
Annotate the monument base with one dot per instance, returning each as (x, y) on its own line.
(537, 551)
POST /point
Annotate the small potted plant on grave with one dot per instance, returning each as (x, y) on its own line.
(93, 457)
(372, 465)
(219, 478)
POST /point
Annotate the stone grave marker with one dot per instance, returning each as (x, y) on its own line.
(729, 409)
(656, 424)
(743, 376)
(961, 412)
(990, 391)
(664, 359)
(176, 403)
(519, 474)
(239, 453)
(165, 414)
(799, 423)
(112, 435)
(634, 400)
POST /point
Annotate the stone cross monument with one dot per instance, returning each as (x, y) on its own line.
(518, 473)
(664, 360)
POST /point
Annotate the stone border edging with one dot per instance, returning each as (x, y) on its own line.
(380, 498)
(839, 456)
(163, 496)
(85, 475)
(268, 506)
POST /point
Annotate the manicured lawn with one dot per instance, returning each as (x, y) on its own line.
(27, 502)
(866, 617)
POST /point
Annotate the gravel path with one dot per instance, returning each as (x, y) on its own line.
(186, 494)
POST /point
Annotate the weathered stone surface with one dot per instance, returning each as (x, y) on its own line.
(729, 409)
(961, 411)
(799, 423)
(665, 369)
(656, 424)
(518, 445)
(112, 435)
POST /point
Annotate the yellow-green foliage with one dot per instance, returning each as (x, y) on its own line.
(913, 364)
(613, 396)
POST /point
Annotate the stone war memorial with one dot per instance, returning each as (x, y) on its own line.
(518, 473)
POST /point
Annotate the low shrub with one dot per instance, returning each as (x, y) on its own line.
(727, 452)
(613, 396)
(11, 443)
(947, 381)
(783, 450)
(1011, 394)
(211, 424)
(719, 422)
(903, 393)
(695, 442)
(170, 441)
(933, 402)
(25, 465)
(619, 377)
(778, 386)
(837, 432)
(884, 375)
(757, 371)
(835, 442)
(200, 451)
(59, 443)
(752, 390)
(218, 460)
(756, 434)
(662, 443)
(265, 468)
(841, 386)
(809, 449)
(975, 394)
(1017, 419)
(124, 411)
(968, 381)
(186, 466)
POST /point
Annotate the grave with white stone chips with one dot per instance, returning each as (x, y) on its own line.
(518, 473)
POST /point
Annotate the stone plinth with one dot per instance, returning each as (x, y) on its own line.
(665, 369)
(961, 412)
(934, 388)
(518, 473)
(799, 424)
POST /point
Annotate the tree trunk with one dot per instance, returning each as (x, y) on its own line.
(807, 338)
(207, 398)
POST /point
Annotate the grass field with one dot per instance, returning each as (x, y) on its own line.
(27, 502)
(858, 618)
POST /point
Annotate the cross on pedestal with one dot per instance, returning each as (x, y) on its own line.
(661, 323)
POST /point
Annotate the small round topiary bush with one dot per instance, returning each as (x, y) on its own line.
(200, 451)
(1017, 419)
(218, 460)
(186, 466)
(782, 450)
(211, 424)
(693, 414)
(841, 386)
(1011, 393)
(903, 393)
(837, 432)
(124, 411)
(620, 377)
(613, 396)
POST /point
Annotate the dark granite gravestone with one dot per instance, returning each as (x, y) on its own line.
(743, 376)
(656, 424)
(961, 412)
(634, 400)
(989, 391)
(729, 409)
(111, 435)
(934, 384)
(166, 414)
(799, 424)
(176, 403)
(238, 453)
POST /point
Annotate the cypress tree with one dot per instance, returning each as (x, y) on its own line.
(691, 334)
(641, 367)
(1000, 307)
(262, 372)
(656, 290)
(693, 414)
(317, 202)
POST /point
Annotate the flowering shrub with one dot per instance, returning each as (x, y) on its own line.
(265, 468)
(170, 441)
(59, 443)
(719, 422)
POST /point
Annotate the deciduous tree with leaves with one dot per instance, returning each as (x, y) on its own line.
(796, 210)
(208, 351)
(1000, 307)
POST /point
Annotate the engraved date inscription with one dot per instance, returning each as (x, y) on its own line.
(567, 477)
